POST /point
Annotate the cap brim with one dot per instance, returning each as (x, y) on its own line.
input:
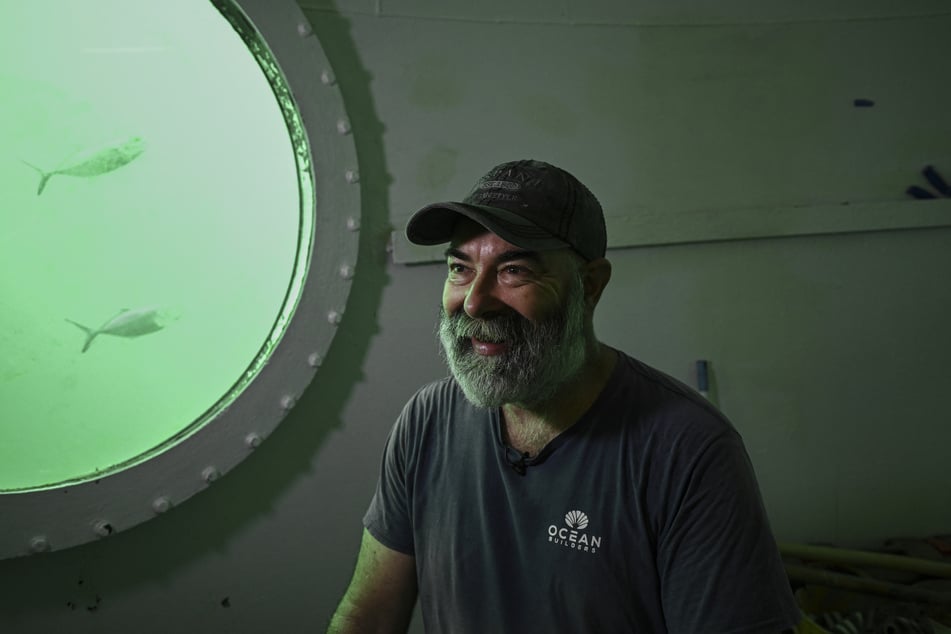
(435, 223)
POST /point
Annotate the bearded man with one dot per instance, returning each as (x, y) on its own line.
(553, 483)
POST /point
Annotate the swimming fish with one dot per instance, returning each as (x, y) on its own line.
(94, 162)
(129, 323)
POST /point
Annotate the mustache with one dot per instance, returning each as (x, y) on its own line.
(505, 327)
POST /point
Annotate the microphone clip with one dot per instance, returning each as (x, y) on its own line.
(521, 464)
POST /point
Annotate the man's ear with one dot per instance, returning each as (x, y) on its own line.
(596, 275)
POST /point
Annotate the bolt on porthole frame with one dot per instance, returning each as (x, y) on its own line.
(70, 513)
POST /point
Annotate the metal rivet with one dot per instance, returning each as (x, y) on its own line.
(334, 317)
(353, 224)
(346, 272)
(252, 440)
(288, 401)
(210, 474)
(327, 78)
(314, 360)
(161, 504)
(103, 528)
(343, 126)
(39, 544)
(304, 29)
(352, 176)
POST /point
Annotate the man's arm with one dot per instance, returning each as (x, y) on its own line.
(381, 595)
(717, 545)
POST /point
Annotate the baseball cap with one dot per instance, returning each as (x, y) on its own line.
(532, 204)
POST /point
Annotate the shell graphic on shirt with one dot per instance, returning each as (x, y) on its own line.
(576, 520)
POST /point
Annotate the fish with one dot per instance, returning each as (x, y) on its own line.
(128, 323)
(93, 162)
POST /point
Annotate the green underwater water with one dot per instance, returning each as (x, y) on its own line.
(164, 235)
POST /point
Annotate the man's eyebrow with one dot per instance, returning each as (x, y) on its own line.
(507, 256)
(453, 252)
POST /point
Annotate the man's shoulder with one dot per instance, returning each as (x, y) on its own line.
(654, 383)
(440, 392)
(665, 401)
(436, 400)
(438, 413)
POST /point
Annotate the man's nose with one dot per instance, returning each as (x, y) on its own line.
(481, 298)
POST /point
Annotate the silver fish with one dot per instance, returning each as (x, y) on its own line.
(94, 162)
(129, 323)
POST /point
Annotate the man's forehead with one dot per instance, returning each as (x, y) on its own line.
(469, 235)
(466, 230)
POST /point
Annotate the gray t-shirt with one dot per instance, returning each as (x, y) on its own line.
(644, 516)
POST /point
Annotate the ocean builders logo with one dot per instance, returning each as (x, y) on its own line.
(572, 534)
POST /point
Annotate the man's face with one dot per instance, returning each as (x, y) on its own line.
(512, 321)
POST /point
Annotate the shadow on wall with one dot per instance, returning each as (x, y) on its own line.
(158, 550)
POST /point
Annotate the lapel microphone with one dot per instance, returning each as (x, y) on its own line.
(519, 465)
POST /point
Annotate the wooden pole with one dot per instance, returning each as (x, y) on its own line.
(923, 567)
(870, 586)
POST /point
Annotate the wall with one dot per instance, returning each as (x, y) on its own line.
(828, 351)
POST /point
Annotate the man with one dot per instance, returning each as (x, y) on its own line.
(553, 483)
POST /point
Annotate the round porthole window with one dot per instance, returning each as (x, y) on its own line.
(177, 240)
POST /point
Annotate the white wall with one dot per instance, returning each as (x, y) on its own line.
(828, 351)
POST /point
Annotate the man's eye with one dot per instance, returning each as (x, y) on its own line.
(515, 270)
(455, 268)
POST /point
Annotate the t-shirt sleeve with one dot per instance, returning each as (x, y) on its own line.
(717, 559)
(388, 517)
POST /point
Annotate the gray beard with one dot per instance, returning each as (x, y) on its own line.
(540, 358)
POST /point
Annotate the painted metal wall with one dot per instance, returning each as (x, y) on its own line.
(828, 351)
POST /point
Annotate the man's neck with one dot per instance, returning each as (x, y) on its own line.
(529, 429)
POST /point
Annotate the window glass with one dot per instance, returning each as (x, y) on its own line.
(150, 229)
